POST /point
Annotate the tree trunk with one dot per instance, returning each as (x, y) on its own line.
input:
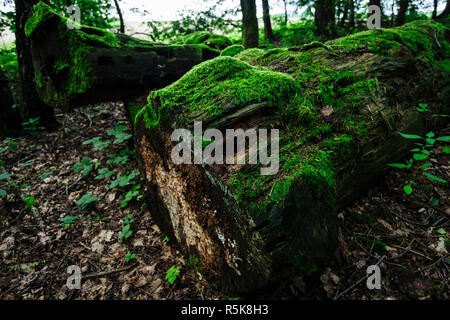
(351, 22)
(89, 65)
(33, 106)
(285, 12)
(248, 229)
(324, 18)
(250, 24)
(345, 15)
(268, 32)
(435, 7)
(446, 11)
(10, 121)
(119, 12)
(402, 9)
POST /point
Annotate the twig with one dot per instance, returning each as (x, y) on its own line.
(105, 273)
(359, 281)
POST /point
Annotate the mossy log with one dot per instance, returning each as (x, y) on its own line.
(76, 65)
(339, 107)
(10, 120)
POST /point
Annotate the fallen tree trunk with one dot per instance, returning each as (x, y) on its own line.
(339, 107)
(10, 120)
(76, 65)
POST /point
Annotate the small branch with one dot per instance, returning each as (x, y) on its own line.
(106, 273)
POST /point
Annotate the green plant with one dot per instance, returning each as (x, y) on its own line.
(32, 125)
(172, 274)
(129, 256)
(10, 143)
(98, 144)
(104, 173)
(133, 193)
(30, 202)
(68, 221)
(84, 166)
(166, 240)
(86, 201)
(119, 134)
(26, 164)
(114, 159)
(418, 163)
(45, 175)
(124, 180)
(126, 232)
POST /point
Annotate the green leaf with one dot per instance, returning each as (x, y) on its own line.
(446, 138)
(67, 221)
(410, 136)
(408, 189)
(2, 193)
(432, 177)
(430, 134)
(441, 231)
(4, 176)
(419, 156)
(104, 173)
(446, 150)
(26, 164)
(86, 201)
(397, 165)
(29, 202)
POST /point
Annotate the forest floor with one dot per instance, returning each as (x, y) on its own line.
(408, 230)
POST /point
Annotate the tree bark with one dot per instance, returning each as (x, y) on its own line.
(33, 106)
(10, 121)
(285, 12)
(351, 22)
(268, 32)
(89, 65)
(119, 12)
(247, 230)
(435, 7)
(324, 18)
(250, 24)
(402, 9)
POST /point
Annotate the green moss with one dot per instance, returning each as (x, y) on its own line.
(215, 83)
(38, 81)
(41, 13)
(212, 40)
(233, 50)
(250, 55)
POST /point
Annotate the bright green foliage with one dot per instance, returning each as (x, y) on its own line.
(30, 202)
(68, 221)
(233, 50)
(84, 166)
(114, 159)
(104, 173)
(98, 144)
(208, 87)
(126, 232)
(215, 41)
(130, 195)
(119, 134)
(172, 274)
(86, 201)
(124, 180)
(129, 256)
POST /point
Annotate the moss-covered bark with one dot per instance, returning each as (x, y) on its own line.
(75, 65)
(339, 107)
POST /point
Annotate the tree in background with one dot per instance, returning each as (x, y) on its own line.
(324, 17)
(94, 13)
(250, 24)
(268, 32)
(119, 12)
(403, 6)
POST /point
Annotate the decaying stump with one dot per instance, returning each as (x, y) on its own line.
(339, 107)
(76, 65)
(10, 120)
